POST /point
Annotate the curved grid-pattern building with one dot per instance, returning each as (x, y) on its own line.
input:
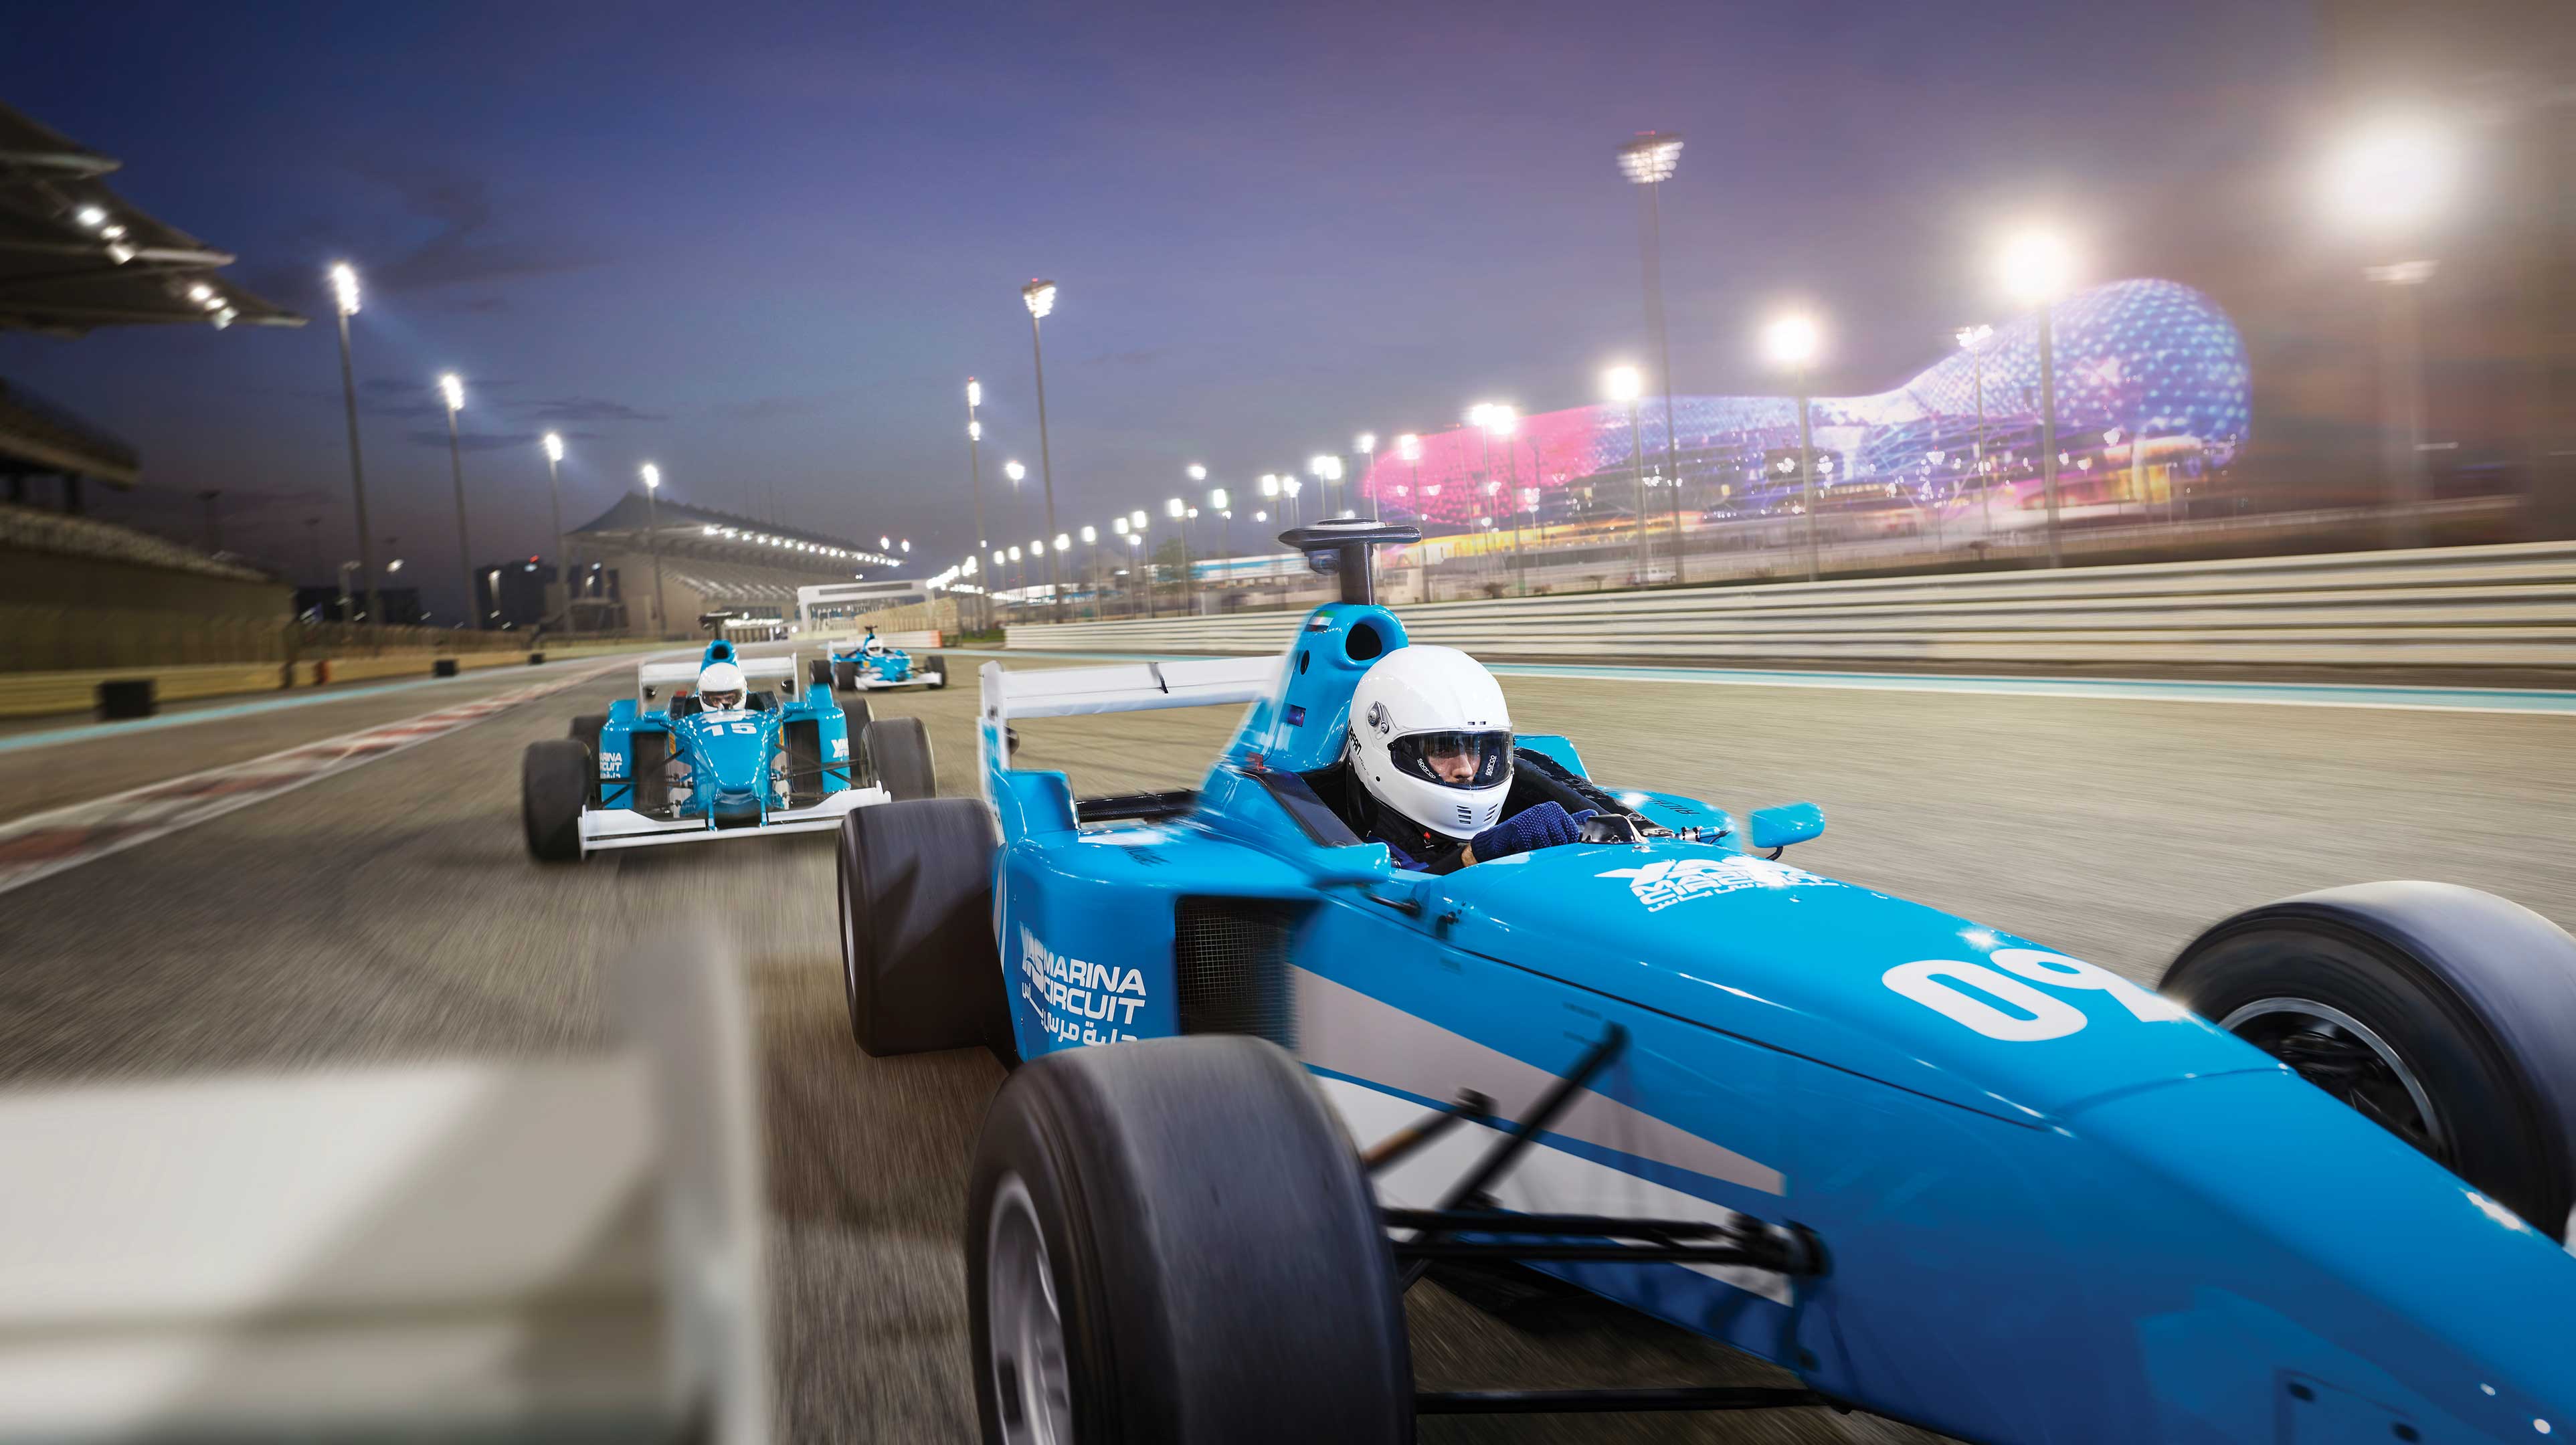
(2147, 358)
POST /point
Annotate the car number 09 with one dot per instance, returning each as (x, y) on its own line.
(1935, 984)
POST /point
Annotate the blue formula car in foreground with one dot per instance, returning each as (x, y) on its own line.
(645, 774)
(2314, 1190)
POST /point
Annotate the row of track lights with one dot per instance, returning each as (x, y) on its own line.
(119, 245)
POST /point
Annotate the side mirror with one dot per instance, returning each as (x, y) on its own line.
(1777, 828)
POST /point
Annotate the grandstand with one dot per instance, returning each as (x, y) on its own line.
(711, 561)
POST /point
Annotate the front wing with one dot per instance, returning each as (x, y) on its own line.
(930, 677)
(606, 828)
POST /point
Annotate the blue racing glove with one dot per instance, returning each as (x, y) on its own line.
(1542, 826)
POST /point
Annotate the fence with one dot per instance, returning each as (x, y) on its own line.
(2510, 606)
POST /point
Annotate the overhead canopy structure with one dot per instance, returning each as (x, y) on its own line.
(716, 561)
(75, 255)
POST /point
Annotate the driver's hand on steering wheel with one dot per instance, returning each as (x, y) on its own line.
(1544, 825)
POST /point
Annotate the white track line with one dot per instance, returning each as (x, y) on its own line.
(43, 844)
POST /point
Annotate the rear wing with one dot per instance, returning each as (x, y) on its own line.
(667, 674)
(1119, 687)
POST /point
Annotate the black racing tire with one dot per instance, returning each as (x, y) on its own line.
(818, 671)
(2446, 1014)
(1172, 1241)
(585, 730)
(854, 711)
(899, 750)
(648, 768)
(555, 778)
(918, 963)
(845, 676)
(802, 742)
(937, 666)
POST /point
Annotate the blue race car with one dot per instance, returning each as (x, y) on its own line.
(873, 662)
(644, 774)
(2316, 1189)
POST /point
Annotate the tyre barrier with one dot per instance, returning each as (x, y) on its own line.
(443, 667)
(126, 697)
(536, 659)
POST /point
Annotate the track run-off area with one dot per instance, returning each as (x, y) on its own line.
(379, 905)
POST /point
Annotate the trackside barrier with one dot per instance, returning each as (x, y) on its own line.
(2510, 606)
(40, 694)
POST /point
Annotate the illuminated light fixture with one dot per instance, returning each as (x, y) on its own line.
(652, 476)
(711, 531)
(1197, 473)
(1623, 384)
(1270, 484)
(119, 252)
(974, 392)
(1138, 519)
(1792, 340)
(1015, 554)
(90, 216)
(1062, 542)
(1176, 509)
(2036, 266)
(344, 287)
(1651, 158)
(1217, 499)
(884, 542)
(2395, 173)
(974, 431)
(451, 386)
(1014, 471)
(907, 544)
(1409, 447)
(554, 449)
(113, 233)
(1365, 443)
(201, 292)
(1040, 297)
(1090, 536)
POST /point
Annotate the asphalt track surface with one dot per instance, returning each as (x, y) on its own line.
(389, 912)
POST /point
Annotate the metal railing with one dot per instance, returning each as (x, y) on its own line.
(2510, 606)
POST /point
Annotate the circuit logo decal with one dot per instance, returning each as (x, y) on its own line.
(840, 750)
(1077, 1001)
(1667, 881)
(612, 765)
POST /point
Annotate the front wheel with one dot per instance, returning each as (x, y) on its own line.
(2445, 1015)
(818, 671)
(917, 957)
(899, 750)
(554, 782)
(1172, 1240)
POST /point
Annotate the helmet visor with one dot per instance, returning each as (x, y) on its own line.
(726, 701)
(1454, 760)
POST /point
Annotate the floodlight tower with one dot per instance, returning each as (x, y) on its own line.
(2037, 265)
(344, 295)
(452, 388)
(1792, 341)
(1039, 297)
(1648, 161)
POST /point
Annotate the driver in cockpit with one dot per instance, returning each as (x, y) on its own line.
(1429, 766)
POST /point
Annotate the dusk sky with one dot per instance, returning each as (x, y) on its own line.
(764, 248)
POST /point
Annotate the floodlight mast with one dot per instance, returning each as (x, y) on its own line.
(452, 387)
(1648, 161)
(344, 292)
(1039, 296)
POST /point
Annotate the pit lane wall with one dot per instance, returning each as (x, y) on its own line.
(44, 694)
(2510, 607)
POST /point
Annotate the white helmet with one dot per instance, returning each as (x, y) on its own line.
(1432, 739)
(721, 687)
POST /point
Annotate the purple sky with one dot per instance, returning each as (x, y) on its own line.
(766, 252)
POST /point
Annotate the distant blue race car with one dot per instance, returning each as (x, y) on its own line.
(2316, 1189)
(644, 774)
(872, 663)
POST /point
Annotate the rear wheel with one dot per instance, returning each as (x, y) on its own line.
(845, 676)
(899, 750)
(818, 671)
(2446, 1015)
(554, 781)
(935, 668)
(917, 956)
(1172, 1240)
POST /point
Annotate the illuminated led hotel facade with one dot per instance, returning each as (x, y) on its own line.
(2135, 359)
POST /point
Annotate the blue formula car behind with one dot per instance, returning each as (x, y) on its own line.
(875, 662)
(660, 768)
(2316, 1189)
